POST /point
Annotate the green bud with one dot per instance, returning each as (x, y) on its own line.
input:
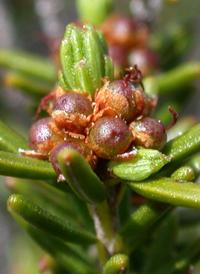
(84, 59)
(80, 176)
(145, 163)
(184, 173)
(118, 264)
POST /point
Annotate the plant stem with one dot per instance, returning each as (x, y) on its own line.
(106, 221)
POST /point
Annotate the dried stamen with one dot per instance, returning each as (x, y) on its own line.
(134, 76)
(175, 118)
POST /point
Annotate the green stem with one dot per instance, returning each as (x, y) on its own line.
(106, 221)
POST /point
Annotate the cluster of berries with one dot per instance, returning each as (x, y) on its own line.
(110, 127)
(128, 41)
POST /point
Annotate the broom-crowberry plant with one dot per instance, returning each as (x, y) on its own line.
(98, 186)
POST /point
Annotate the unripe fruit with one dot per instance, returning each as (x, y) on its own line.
(39, 133)
(71, 111)
(70, 143)
(148, 132)
(108, 137)
(146, 59)
(125, 32)
(123, 96)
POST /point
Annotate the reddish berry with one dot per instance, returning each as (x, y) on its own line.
(74, 144)
(71, 111)
(146, 59)
(39, 133)
(124, 31)
(148, 132)
(123, 96)
(108, 137)
(119, 55)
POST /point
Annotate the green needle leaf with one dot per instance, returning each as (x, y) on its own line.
(118, 264)
(109, 67)
(48, 223)
(67, 63)
(183, 146)
(95, 58)
(80, 176)
(84, 59)
(178, 77)
(143, 218)
(82, 76)
(145, 163)
(62, 81)
(14, 165)
(166, 190)
(67, 257)
(27, 84)
(76, 38)
(29, 64)
(10, 141)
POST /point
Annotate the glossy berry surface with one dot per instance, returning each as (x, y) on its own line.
(124, 97)
(71, 111)
(108, 137)
(149, 132)
(70, 143)
(73, 103)
(39, 132)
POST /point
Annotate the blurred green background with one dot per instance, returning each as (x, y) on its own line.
(32, 25)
